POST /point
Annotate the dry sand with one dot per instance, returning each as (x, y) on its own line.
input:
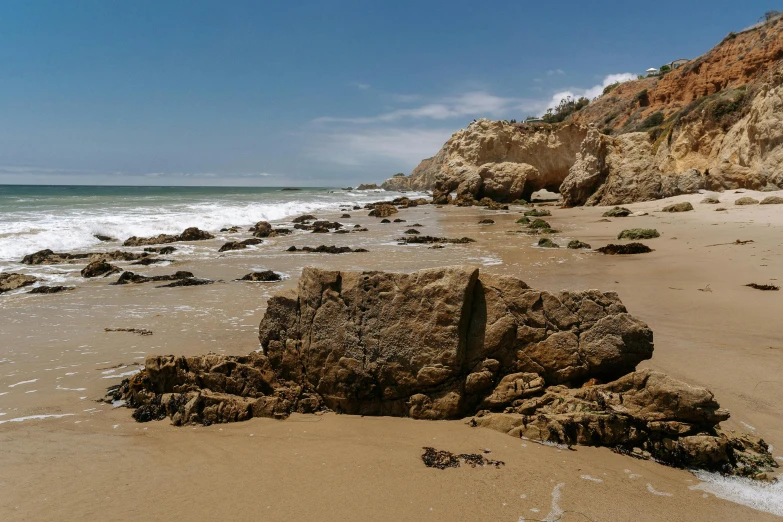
(95, 462)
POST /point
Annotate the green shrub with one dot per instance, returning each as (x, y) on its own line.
(638, 233)
(653, 120)
(609, 88)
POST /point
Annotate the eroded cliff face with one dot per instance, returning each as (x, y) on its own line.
(447, 343)
(506, 162)
(716, 123)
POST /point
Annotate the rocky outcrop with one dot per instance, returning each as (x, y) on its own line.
(423, 176)
(47, 257)
(9, 282)
(383, 210)
(447, 343)
(265, 276)
(368, 186)
(100, 268)
(130, 278)
(506, 162)
(189, 234)
(240, 245)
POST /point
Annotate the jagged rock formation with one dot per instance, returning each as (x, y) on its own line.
(47, 257)
(449, 342)
(189, 234)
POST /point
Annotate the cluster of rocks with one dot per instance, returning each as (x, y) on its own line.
(323, 249)
(451, 343)
(48, 257)
(189, 234)
(418, 239)
(128, 278)
(264, 229)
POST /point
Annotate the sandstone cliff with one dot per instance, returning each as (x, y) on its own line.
(447, 343)
(715, 123)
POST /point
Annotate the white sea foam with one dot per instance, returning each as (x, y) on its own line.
(56, 225)
(37, 417)
(761, 496)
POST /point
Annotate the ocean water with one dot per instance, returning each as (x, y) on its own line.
(66, 218)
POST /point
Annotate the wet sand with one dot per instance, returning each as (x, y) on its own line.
(96, 462)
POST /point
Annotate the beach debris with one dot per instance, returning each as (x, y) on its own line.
(100, 268)
(265, 276)
(323, 249)
(763, 286)
(604, 221)
(685, 206)
(140, 331)
(189, 234)
(710, 201)
(638, 233)
(719, 209)
(131, 278)
(736, 242)
(440, 459)
(545, 242)
(617, 212)
(630, 248)
(705, 289)
(576, 244)
(50, 289)
(746, 201)
(12, 281)
(487, 222)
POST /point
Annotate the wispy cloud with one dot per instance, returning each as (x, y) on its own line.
(363, 86)
(475, 103)
(407, 146)
(555, 72)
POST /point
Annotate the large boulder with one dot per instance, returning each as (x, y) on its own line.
(100, 268)
(449, 342)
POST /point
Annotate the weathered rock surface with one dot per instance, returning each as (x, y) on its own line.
(265, 276)
(383, 210)
(685, 206)
(50, 289)
(449, 342)
(772, 200)
(324, 249)
(131, 278)
(628, 249)
(100, 268)
(240, 245)
(189, 234)
(47, 257)
(12, 281)
(746, 201)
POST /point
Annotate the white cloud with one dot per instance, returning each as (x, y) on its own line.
(475, 103)
(553, 72)
(407, 146)
(592, 92)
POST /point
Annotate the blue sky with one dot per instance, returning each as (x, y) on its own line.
(304, 93)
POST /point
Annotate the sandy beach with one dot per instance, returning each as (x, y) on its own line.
(67, 456)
